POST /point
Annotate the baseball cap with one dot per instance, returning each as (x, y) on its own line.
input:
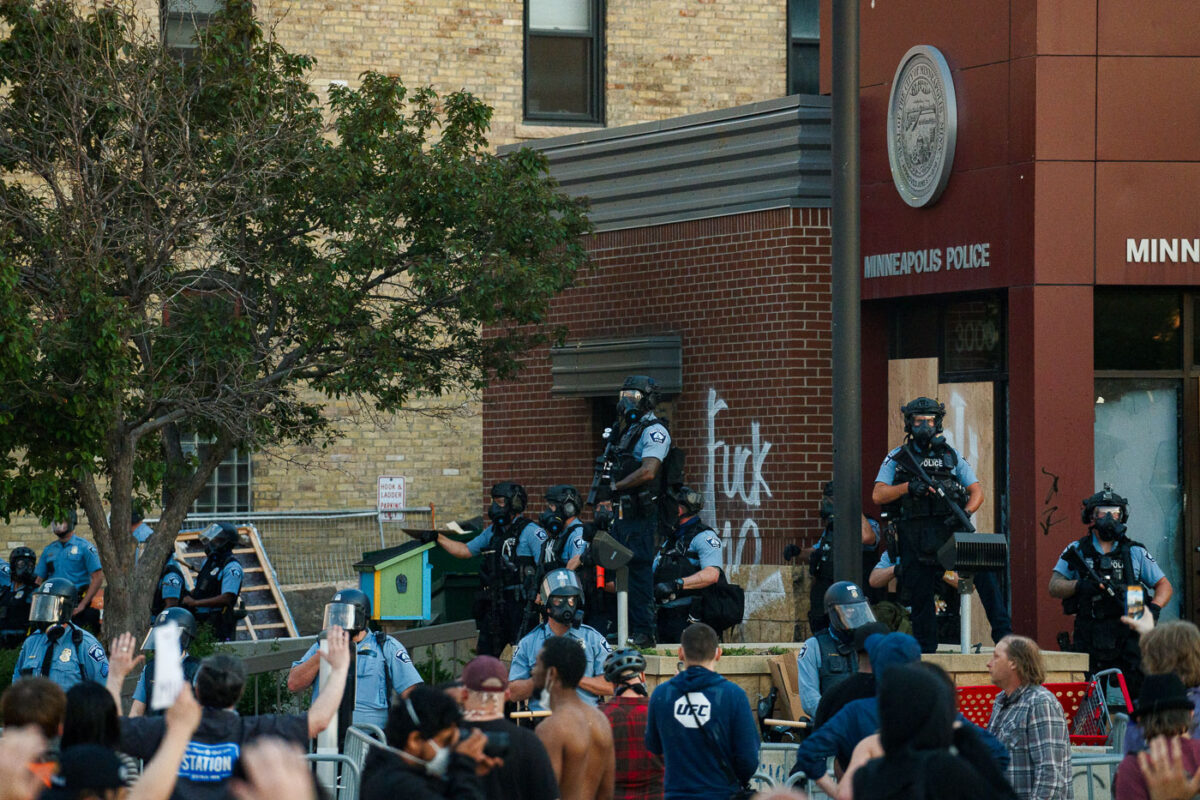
(90, 766)
(485, 674)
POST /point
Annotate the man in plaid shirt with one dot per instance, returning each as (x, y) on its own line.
(639, 772)
(1029, 720)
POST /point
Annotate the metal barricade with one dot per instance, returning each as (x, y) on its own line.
(1099, 786)
(358, 743)
(349, 776)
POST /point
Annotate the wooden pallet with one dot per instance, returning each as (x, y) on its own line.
(267, 612)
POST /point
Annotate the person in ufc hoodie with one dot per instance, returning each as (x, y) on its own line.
(701, 725)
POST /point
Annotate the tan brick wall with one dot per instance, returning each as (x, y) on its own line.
(664, 58)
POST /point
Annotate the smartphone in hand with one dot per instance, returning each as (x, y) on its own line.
(1135, 602)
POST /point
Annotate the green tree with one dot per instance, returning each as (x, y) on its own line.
(201, 247)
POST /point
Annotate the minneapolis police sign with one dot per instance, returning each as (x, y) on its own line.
(922, 126)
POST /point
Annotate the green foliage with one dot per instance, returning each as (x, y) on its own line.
(192, 248)
(8, 662)
(436, 671)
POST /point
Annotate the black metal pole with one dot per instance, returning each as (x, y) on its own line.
(847, 329)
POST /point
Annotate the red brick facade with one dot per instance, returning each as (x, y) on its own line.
(749, 295)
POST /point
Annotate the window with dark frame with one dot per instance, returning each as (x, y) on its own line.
(564, 60)
(181, 20)
(228, 488)
(804, 47)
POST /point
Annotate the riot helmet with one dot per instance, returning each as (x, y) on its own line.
(21, 564)
(350, 610)
(920, 429)
(66, 524)
(219, 536)
(689, 499)
(181, 617)
(623, 665)
(847, 607)
(562, 596)
(638, 396)
(517, 499)
(827, 504)
(53, 602)
(564, 502)
(1106, 512)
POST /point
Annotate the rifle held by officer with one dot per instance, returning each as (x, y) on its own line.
(915, 467)
(601, 490)
(1073, 558)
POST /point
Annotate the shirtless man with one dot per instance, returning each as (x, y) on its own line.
(577, 736)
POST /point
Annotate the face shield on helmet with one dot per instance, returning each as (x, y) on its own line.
(347, 616)
(851, 616)
(217, 536)
(562, 596)
(53, 602)
(177, 616)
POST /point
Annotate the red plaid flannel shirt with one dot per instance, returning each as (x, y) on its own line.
(639, 772)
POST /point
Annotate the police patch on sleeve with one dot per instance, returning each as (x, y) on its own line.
(97, 653)
(713, 542)
(658, 437)
(403, 656)
(803, 649)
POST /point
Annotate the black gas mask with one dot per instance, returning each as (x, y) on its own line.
(1109, 529)
(553, 520)
(22, 571)
(561, 610)
(924, 434)
(629, 406)
(501, 515)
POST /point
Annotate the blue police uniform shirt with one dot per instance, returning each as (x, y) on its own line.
(142, 532)
(594, 645)
(808, 666)
(886, 561)
(703, 551)
(963, 473)
(823, 538)
(74, 559)
(371, 693)
(575, 544)
(1145, 568)
(231, 583)
(654, 442)
(66, 663)
(529, 544)
(171, 583)
(5, 575)
(139, 691)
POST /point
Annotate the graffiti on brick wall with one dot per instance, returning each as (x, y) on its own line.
(736, 472)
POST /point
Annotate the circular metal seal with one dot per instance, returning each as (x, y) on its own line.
(922, 125)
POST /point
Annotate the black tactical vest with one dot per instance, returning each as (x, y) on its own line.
(838, 661)
(208, 582)
(673, 561)
(500, 564)
(1115, 569)
(939, 465)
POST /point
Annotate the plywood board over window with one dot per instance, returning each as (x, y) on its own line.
(969, 427)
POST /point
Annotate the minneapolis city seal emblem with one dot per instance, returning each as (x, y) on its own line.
(922, 126)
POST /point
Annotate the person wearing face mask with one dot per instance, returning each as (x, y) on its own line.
(1118, 562)
(924, 522)
(427, 754)
(75, 559)
(16, 597)
(512, 549)
(564, 539)
(563, 607)
(687, 563)
(213, 600)
(60, 650)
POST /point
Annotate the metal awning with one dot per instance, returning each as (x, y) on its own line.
(595, 367)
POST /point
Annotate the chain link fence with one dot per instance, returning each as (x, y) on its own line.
(306, 547)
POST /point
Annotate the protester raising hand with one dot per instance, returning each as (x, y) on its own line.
(274, 769)
(1164, 772)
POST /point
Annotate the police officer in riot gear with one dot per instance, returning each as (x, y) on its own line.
(214, 598)
(687, 563)
(829, 657)
(641, 446)
(169, 591)
(562, 605)
(16, 597)
(382, 665)
(60, 650)
(76, 559)
(512, 548)
(924, 522)
(563, 527)
(1117, 561)
(144, 691)
(820, 561)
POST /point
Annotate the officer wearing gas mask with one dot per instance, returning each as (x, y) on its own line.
(562, 605)
(687, 563)
(512, 548)
(60, 650)
(75, 559)
(16, 596)
(382, 664)
(924, 522)
(641, 445)
(214, 598)
(563, 527)
(144, 691)
(820, 560)
(1110, 561)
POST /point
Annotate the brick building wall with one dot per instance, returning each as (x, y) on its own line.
(749, 296)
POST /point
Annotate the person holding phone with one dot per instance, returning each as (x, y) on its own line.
(1092, 578)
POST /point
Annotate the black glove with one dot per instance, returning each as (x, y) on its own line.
(1154, 610)
(918, 487)
(664, 591)
(791, 551)
(1086, 588)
